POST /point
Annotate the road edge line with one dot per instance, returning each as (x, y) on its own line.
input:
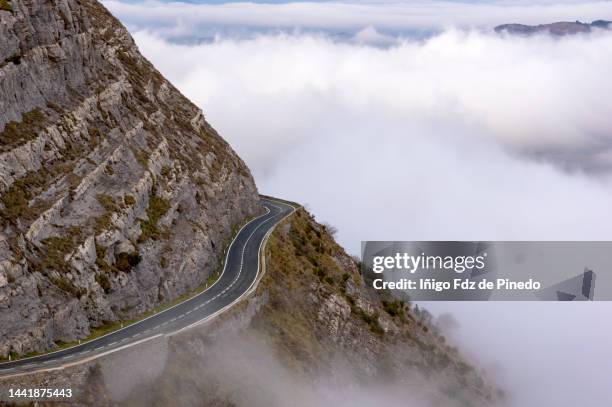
(82, 361)
(259, 276)
(150, 316)
(261, 259)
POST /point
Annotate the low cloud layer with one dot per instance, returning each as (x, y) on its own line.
(463, 135)
(189, 18)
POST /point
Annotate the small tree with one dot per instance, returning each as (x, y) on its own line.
(332, 230)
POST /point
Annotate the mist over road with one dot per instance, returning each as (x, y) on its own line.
(239, 274)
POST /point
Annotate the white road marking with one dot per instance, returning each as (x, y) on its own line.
(223, 293)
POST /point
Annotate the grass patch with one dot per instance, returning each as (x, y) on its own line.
(104, 282)
(17, 132)
(66, 285)
(103, 222)
(166, 171)
(129, 200)
(16, 198)
(371, 320)
(141, 157)
(394, 308)
(163, 262)
(100, 262)
(305, 252)
(157, 208)
(5, 6)
(107, 202)
(55, 249)
(94, 137)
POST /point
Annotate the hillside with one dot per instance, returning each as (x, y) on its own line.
(115, 194)
(559, 28)
(311, 334)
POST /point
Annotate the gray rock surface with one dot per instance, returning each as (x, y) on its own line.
(311, 334)
(115, 194)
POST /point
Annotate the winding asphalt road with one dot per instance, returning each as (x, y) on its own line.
(239, 274)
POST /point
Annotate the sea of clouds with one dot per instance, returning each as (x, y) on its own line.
(416, 121)
(465, 135)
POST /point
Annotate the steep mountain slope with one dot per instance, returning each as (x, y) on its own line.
(311, 334)
(115, 194)
(319, 335)
(559, 28)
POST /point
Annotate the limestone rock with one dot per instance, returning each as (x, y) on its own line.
(113, 187)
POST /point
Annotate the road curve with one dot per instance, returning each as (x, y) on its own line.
(239, 274)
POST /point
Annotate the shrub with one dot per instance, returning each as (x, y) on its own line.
(141, 157)
(16, 198)
(31, 123)
(127, 261)
(56, 249)
(321, 273)
(110, 206)
(371, 320)
(157, 208)
(330, 229)
(54, 106)
(5, 5)
(94, 137)
(165, 171)
(107, 202)
(100, 262)
(64, 284)
(163, 262)
(393, 308)
(104, 282)
(10, 277)
(129, 200)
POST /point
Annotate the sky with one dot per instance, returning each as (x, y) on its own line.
(416, 121)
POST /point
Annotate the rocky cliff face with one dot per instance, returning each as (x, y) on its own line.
(311, 334)
(115, 194)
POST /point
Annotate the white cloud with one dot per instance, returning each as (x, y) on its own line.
(462, 136)
(443, 127)
(186, 18)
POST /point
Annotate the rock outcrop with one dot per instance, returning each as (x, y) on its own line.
(311, 334)
(115, 194)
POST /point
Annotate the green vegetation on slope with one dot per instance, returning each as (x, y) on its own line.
(5, 5)
(31, 122)
(157, 208)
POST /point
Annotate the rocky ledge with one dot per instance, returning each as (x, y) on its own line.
(115, 194)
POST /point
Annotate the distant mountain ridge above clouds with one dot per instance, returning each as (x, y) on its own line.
(558, 28)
